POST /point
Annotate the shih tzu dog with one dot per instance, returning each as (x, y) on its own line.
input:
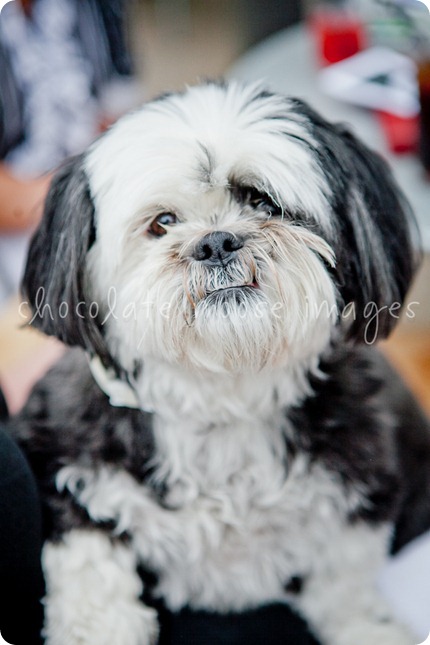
(224, 259)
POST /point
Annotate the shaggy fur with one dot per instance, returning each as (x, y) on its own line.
(227, 255)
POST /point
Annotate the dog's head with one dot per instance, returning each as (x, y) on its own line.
(224, 228)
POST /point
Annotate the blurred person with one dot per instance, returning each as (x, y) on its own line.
(65, 73)
(21, 612)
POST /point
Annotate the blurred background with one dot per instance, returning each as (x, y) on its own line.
(295, 46)
(182, 41)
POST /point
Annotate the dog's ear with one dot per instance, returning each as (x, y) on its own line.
(377, 257)
(374, 230)
(54, 278)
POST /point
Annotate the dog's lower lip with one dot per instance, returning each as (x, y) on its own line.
(253, 285)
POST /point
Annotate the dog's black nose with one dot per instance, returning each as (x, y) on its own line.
(218, 247)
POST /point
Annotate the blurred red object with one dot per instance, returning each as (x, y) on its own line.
(401, 133)
(424, 121)
(338, 34)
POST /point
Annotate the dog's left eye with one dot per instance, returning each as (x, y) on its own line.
(160, 224)
(257, 200)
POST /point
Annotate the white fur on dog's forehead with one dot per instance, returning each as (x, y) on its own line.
(186, 144)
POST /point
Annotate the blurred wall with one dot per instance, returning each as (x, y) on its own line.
(262, 18)
(184, 41)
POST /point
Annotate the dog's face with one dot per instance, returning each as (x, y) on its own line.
(198, 235)
(225, 229)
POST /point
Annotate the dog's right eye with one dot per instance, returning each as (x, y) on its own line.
(160, 224)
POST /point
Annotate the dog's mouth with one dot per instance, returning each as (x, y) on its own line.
(233, 288)
(231, 294)
(236, 282)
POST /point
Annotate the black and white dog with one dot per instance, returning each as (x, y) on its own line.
(224, 258)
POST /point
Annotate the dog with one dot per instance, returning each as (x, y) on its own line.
(223, 260)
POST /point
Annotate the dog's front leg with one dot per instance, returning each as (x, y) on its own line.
(92, 593)
(339, 598)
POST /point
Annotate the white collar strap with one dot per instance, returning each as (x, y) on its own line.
(120, 393)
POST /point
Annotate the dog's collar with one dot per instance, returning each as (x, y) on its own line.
(120, 393)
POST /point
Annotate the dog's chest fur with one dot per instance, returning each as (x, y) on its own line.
(226, 491)
(238, 517)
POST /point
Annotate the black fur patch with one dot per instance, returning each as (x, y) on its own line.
(53, 283)
(376, 256)
(363, 425)
(68, 420)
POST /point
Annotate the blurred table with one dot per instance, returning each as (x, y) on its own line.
(286, 63)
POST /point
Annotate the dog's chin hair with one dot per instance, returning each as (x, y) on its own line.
(235, 332)
(286, 318)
